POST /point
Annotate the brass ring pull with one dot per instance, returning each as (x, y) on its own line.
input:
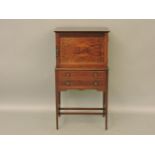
(95, 74)
(67, 74)
(95, 83)
(67, 83)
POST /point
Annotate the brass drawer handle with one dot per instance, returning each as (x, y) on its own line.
(67, 74)
(96, 83)
(67, 83)
(95, 74)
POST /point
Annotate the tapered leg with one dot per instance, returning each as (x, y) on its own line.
(59, 102)
(106, 102)
(57, 109)
(106, 109)
(103, 95)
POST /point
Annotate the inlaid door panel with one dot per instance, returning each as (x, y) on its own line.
(82, 50)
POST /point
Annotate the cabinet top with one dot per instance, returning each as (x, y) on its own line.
(81, 29)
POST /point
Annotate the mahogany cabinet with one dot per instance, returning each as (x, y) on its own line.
(82, 64)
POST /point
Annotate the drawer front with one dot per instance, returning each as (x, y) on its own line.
(82, 75)
(81, 80)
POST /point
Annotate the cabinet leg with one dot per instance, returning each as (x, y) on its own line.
(59, 102)
(57, 110)
(106, 102)
(106, 109)
(103, 95)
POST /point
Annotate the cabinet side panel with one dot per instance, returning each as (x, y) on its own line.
(57, 49)
(106, 40)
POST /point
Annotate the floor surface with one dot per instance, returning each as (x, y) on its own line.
(43, 123)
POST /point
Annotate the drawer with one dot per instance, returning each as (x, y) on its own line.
(81, 80)
(81, 74)
(81, 84)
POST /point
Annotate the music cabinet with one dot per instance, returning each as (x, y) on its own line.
(81, 63)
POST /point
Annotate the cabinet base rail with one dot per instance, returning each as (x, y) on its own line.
(81, 113)
(81, 108)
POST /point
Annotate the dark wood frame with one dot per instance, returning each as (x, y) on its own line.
(104, 68)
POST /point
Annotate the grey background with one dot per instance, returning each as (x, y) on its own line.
(27, 80)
